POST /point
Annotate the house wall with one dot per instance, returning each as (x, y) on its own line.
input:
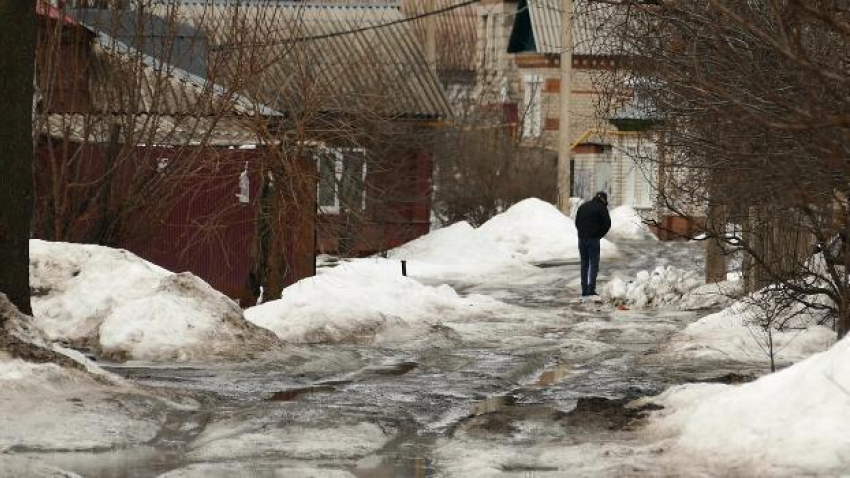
(203, 229)
(398, 207)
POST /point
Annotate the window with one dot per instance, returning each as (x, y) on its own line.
(532, 123)
(485, 39)
(639, 174)
(244, 195)
(342, 179)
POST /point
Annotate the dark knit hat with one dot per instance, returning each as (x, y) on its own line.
(602, 196)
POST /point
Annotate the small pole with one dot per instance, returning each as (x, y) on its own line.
(404, 268)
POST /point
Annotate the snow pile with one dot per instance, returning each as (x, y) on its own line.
(358, 300)
(124, 307)
(796, 421)
(663, 286)
(626, 224)
(537, 232)
(457, 250)
(531, 231)
(734, 333)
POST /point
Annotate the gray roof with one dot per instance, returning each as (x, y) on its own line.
(128, 81)
(338, 58)
(181, 44)
(158, 102)
(149, 129)
(594, 24)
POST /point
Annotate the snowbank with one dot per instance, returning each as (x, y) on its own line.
(358, 300)
(49, 407)
(626, 224)
(537, 232)
(531, 231)
(796, 421)
(458, 250)
(124, 307)
(731, 334)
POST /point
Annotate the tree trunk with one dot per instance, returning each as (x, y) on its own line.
(715, 261)
(17, 21)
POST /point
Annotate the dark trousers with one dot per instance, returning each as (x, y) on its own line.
(588, 249)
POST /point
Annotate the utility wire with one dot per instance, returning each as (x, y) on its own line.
(325, 36)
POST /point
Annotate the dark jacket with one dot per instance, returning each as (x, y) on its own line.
(592, 220)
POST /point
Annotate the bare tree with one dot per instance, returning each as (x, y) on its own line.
(748, 104)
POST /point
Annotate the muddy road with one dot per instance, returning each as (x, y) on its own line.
(539, 390)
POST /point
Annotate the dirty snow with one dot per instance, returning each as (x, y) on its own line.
(358, 300)
(662, 286)
(733, 334)
(795, 420)
(627, 224)
(127, 308)
(669, 286)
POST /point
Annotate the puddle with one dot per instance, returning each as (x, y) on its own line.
(493, 405)
(295, 393)
(553, 376)
(395, 369)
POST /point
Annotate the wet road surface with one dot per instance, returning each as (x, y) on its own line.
(538, 390)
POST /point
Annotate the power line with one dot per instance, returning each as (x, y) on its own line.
(325, 36)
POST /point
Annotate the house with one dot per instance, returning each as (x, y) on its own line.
(518, 72)
(138, 154)
(356, 86)
(274, 147)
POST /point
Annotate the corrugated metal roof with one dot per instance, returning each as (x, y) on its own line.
(128, 81)
(183, 46)
(149, 129)
(593, 25)
(456, 32)
(345, 58)
(157, 103)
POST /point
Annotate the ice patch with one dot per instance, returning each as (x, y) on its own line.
(72, 412)
(235, 470)
(294, 442)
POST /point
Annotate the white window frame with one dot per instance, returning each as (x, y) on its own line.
(532, 111)
(638, 182)
(339, 169)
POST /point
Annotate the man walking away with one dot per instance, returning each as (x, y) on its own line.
(592, 222)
